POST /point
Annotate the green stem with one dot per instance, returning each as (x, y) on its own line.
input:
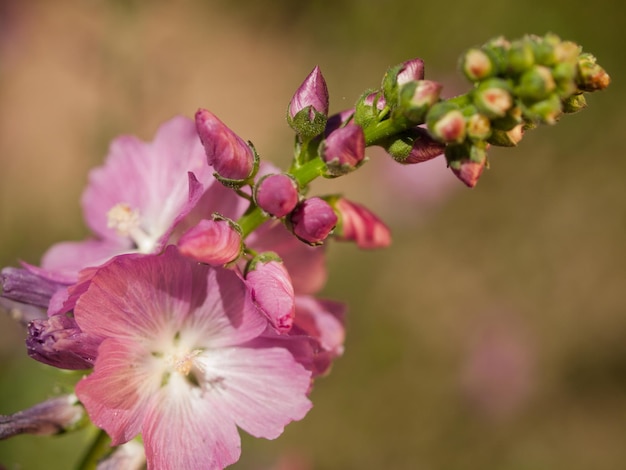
(381, 130)
(99, 448)
(306, 173)
(251, 220)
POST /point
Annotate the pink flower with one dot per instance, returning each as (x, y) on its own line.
(136, 199)
(360, 225)
(179, 364)
(313, 220)
(215, 242)
(276, 194)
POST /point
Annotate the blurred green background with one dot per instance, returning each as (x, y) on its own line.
(491, 335)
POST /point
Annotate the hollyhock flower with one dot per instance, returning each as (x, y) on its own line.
(135, 200)
(178, 362)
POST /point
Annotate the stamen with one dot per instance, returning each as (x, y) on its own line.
(127, 223)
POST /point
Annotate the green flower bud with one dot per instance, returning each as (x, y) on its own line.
(497, 49)
(591, 76)
(476, 65)
(507, 138)
(545, 49)
(512, 118)
(564, 75)
(446, 122)
(493, 98)
(519, 57)
(536, 84)
(369, 108)
(574, 103)
(416, 98)
(477, 125)
(546, 111)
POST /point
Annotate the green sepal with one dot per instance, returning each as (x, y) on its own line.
(306, 127)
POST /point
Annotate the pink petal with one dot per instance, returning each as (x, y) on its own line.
(263, 389)
(115, 394)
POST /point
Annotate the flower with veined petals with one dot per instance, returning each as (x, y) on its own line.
(135, 200)
(178, 362)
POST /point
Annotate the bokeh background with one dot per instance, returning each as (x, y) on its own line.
(491, 335)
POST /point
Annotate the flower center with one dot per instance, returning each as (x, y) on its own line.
(182, 361)
(126, 221)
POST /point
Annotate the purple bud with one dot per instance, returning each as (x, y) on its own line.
(230, 156)
(216, 242)
(375, 99)
(312, 93)
(413, 146)
(338, 120)
(360, 225)
(344, 149)
(272, 290)
(59, 342)
(276, 194)
(313, 220)
(24, 286)
(52, 416)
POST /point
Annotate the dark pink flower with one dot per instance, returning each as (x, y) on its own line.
(229, 155)
(312, 96)
(344, 149)
(179, 363)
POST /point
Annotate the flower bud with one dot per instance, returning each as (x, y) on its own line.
(508, 138)
(231, 157)
(413, 146)
(467, 161)
(24, 286)
(401, 74)
(368, 108)
(416, 98)
(338, 120)
(53, 416)
(446, 122)
(216, 242)
(547, 111)
(591, 76)
(477, 125)
(59, 342)
(312, 220)
(360, 225)
(536, 84)
(493, 98)
(308, 110)
(477, 65)
(574, 103)
(519, 57)
(343, 150)
(272, 290)
(276, 194)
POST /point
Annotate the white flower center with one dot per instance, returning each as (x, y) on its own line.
(126, 221)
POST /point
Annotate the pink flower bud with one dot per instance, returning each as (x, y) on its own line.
(411, 70)
(276, 194)
(215, 242)
(360, 225)
(344, 149)
(468, 172)
(230, 156)
(272, 290)
(312, 220)
(312, 93)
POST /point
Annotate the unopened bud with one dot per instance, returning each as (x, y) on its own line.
(276, 194)
(519, 57)
(272, 290)
(215, 242)
(413, 146)
(343, 150)
(508, 138)
(308, 110)
(493, 98)
(360, 225)
(544, 49)
(591, 77)
(536, 84)
(312, 220)
(467, 162)
(446, 122)
(369, 107)
(478, 126)
(399, 75)
(53, 416)
(416, 98)
(477, 65)
(231, 157)
(338, 120)
(574, 103)
(546, 111)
